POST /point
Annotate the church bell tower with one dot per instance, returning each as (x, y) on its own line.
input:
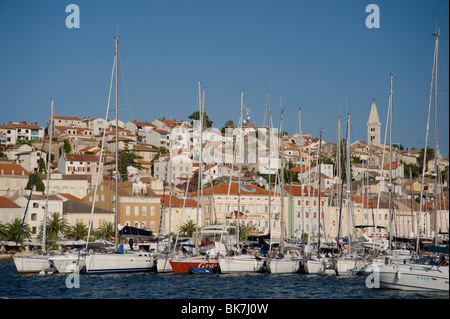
(373, 126)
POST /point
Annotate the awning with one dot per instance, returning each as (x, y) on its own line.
(128, 231)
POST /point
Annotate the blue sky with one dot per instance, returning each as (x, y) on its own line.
(317, 55)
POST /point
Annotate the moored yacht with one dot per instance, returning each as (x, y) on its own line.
(423, 274)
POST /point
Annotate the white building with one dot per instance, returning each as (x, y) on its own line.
(11, 132)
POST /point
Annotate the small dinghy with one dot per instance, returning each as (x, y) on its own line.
(196, 270)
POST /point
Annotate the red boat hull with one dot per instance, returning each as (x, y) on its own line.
(183, 265)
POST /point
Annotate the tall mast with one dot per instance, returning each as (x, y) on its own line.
(390, 162)
(318, 219)
(239, 165)
(338, 146)
(270, 210)
(426, 141)
(200, 167)
(436, 158)
(117, 147)
(301, 172)
(49, 159)
(282, 225)
(349, 179)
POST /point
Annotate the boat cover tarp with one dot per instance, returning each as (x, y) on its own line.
(438, 249)
(128, 231)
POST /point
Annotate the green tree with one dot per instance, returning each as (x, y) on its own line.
(56, 226)
(79, 231)
(106, 231)
(228, 124)
(245, 230)
(3, 233)
(188, 228)
(67, 147)
(127, 158)
(415, 170)
(13, 230)
(42, 166)
(39, 185)
(196, 116)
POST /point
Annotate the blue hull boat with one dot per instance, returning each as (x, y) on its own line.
(196, 270)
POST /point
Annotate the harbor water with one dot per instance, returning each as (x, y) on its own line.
(154, 285)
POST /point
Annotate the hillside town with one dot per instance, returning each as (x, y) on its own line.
(159, 188)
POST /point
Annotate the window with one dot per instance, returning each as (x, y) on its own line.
(144, 210)
(152, 211)
(127, 210)
(136, 210)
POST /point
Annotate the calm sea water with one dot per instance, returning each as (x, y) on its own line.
(185, 286)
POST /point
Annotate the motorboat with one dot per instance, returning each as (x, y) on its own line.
(423, 274)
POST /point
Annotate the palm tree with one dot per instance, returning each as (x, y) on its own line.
(106, 231)
(13, 230)
(188, 228)
(79, 231)
(245, 230)
(56, 226)
(3, 233)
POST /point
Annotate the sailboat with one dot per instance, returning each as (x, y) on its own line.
(424, 273)
(130, 260)
(318, 264)
(283, 263)
(206, 256)
(241, 262)
(38, 263)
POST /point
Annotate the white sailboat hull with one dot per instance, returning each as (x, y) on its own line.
(284, 266)
(119, 263)
(348, 267)
(33, 264)
(163, 265)
(241, 263)
(414, 277)
(68, 263)
(319, 267)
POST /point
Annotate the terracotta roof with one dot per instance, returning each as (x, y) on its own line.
(296, 190)
(69, 196)
(42, 197)
(82, 157)
(170, 123)
(66, 118)
(7, 203)
(144, 148)
(8, 168)
(222, 189)
(143, 123)
(298, 169)
(176, 202)
(23, 124)
(395, 165)
(367, 202)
